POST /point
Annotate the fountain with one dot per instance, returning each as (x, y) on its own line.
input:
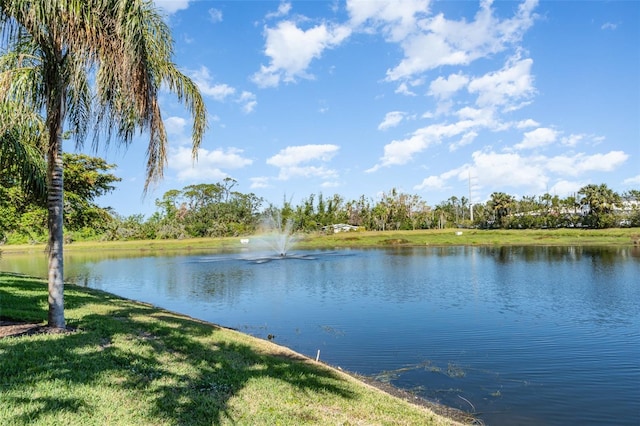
(277, 234)
(276, 237)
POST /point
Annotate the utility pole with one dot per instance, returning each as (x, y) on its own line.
(470, 202)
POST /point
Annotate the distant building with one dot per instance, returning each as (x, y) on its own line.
(339, 227)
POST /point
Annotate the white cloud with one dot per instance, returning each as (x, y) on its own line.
(609, 26)
(635, 180)
(403, 89)
(432, 182)
(291, 50)
(283, 9)
(287, 173)
(399, 152)
(172, 6)
(542, 136)
(564, 188)
(215, 15)
(248, 101)
(444, 88)
(481, 117)
(295, 155)
(427, 41)
(266, 77)
(218, 91)
(443, 107)
(204, 80)
(293, 161)
(330, 184)
(572, 140)
(423, 53)
(209, 164)
(439, 183)
(222, 92)
(466, 139)
(397, 18)
(501, 88)
(578, 164)
(499, 170)
(437, 41)
(494, 171)
(527, 123)
(259, 182)
(175, 125)
(391, 119)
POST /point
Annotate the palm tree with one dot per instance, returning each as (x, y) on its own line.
(599, 200)
(54, 50)
(501, 204)
(21, 134)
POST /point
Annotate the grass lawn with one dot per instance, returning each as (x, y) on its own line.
(361, 239)
(128, 363)
(477, 237)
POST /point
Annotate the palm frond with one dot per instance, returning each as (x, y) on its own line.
(128, 82)
(21, 155)
(123, 48)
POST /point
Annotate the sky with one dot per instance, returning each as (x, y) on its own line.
(433, 98)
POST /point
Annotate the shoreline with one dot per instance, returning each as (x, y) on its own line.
(26, 328)
(366, 239)
(10, 328)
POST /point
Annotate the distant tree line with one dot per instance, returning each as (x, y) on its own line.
(202, 210)
(23, 213)
(218, 210)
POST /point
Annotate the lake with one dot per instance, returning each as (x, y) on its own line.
(517, 335)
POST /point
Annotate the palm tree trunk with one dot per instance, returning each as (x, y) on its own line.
(55, 206)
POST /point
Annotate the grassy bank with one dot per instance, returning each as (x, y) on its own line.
(443, 237)
(132, 364)
(446, 237)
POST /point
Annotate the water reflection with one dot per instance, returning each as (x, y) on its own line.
(605, 255)
(512, 330)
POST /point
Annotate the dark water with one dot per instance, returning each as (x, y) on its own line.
(518, 335)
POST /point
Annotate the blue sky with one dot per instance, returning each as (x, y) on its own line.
(434, 98)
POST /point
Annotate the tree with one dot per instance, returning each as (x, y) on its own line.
(22, 165)
(417, 210)
(23, 212)
(570, 207)
(85, 176)
(599, 201)
(206, 210)
(501, 204)
(53, 50)
(359, 212)
(631, 205)
(85, 179)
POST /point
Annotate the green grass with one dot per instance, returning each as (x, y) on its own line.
(458, 237)
(443, 237)
(128, 363)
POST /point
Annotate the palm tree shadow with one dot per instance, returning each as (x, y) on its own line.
(25, 298)
(32, 294)
(186, 372)
(43, 406)
(222, 370)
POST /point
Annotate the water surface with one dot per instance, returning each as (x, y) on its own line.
(518, 335)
